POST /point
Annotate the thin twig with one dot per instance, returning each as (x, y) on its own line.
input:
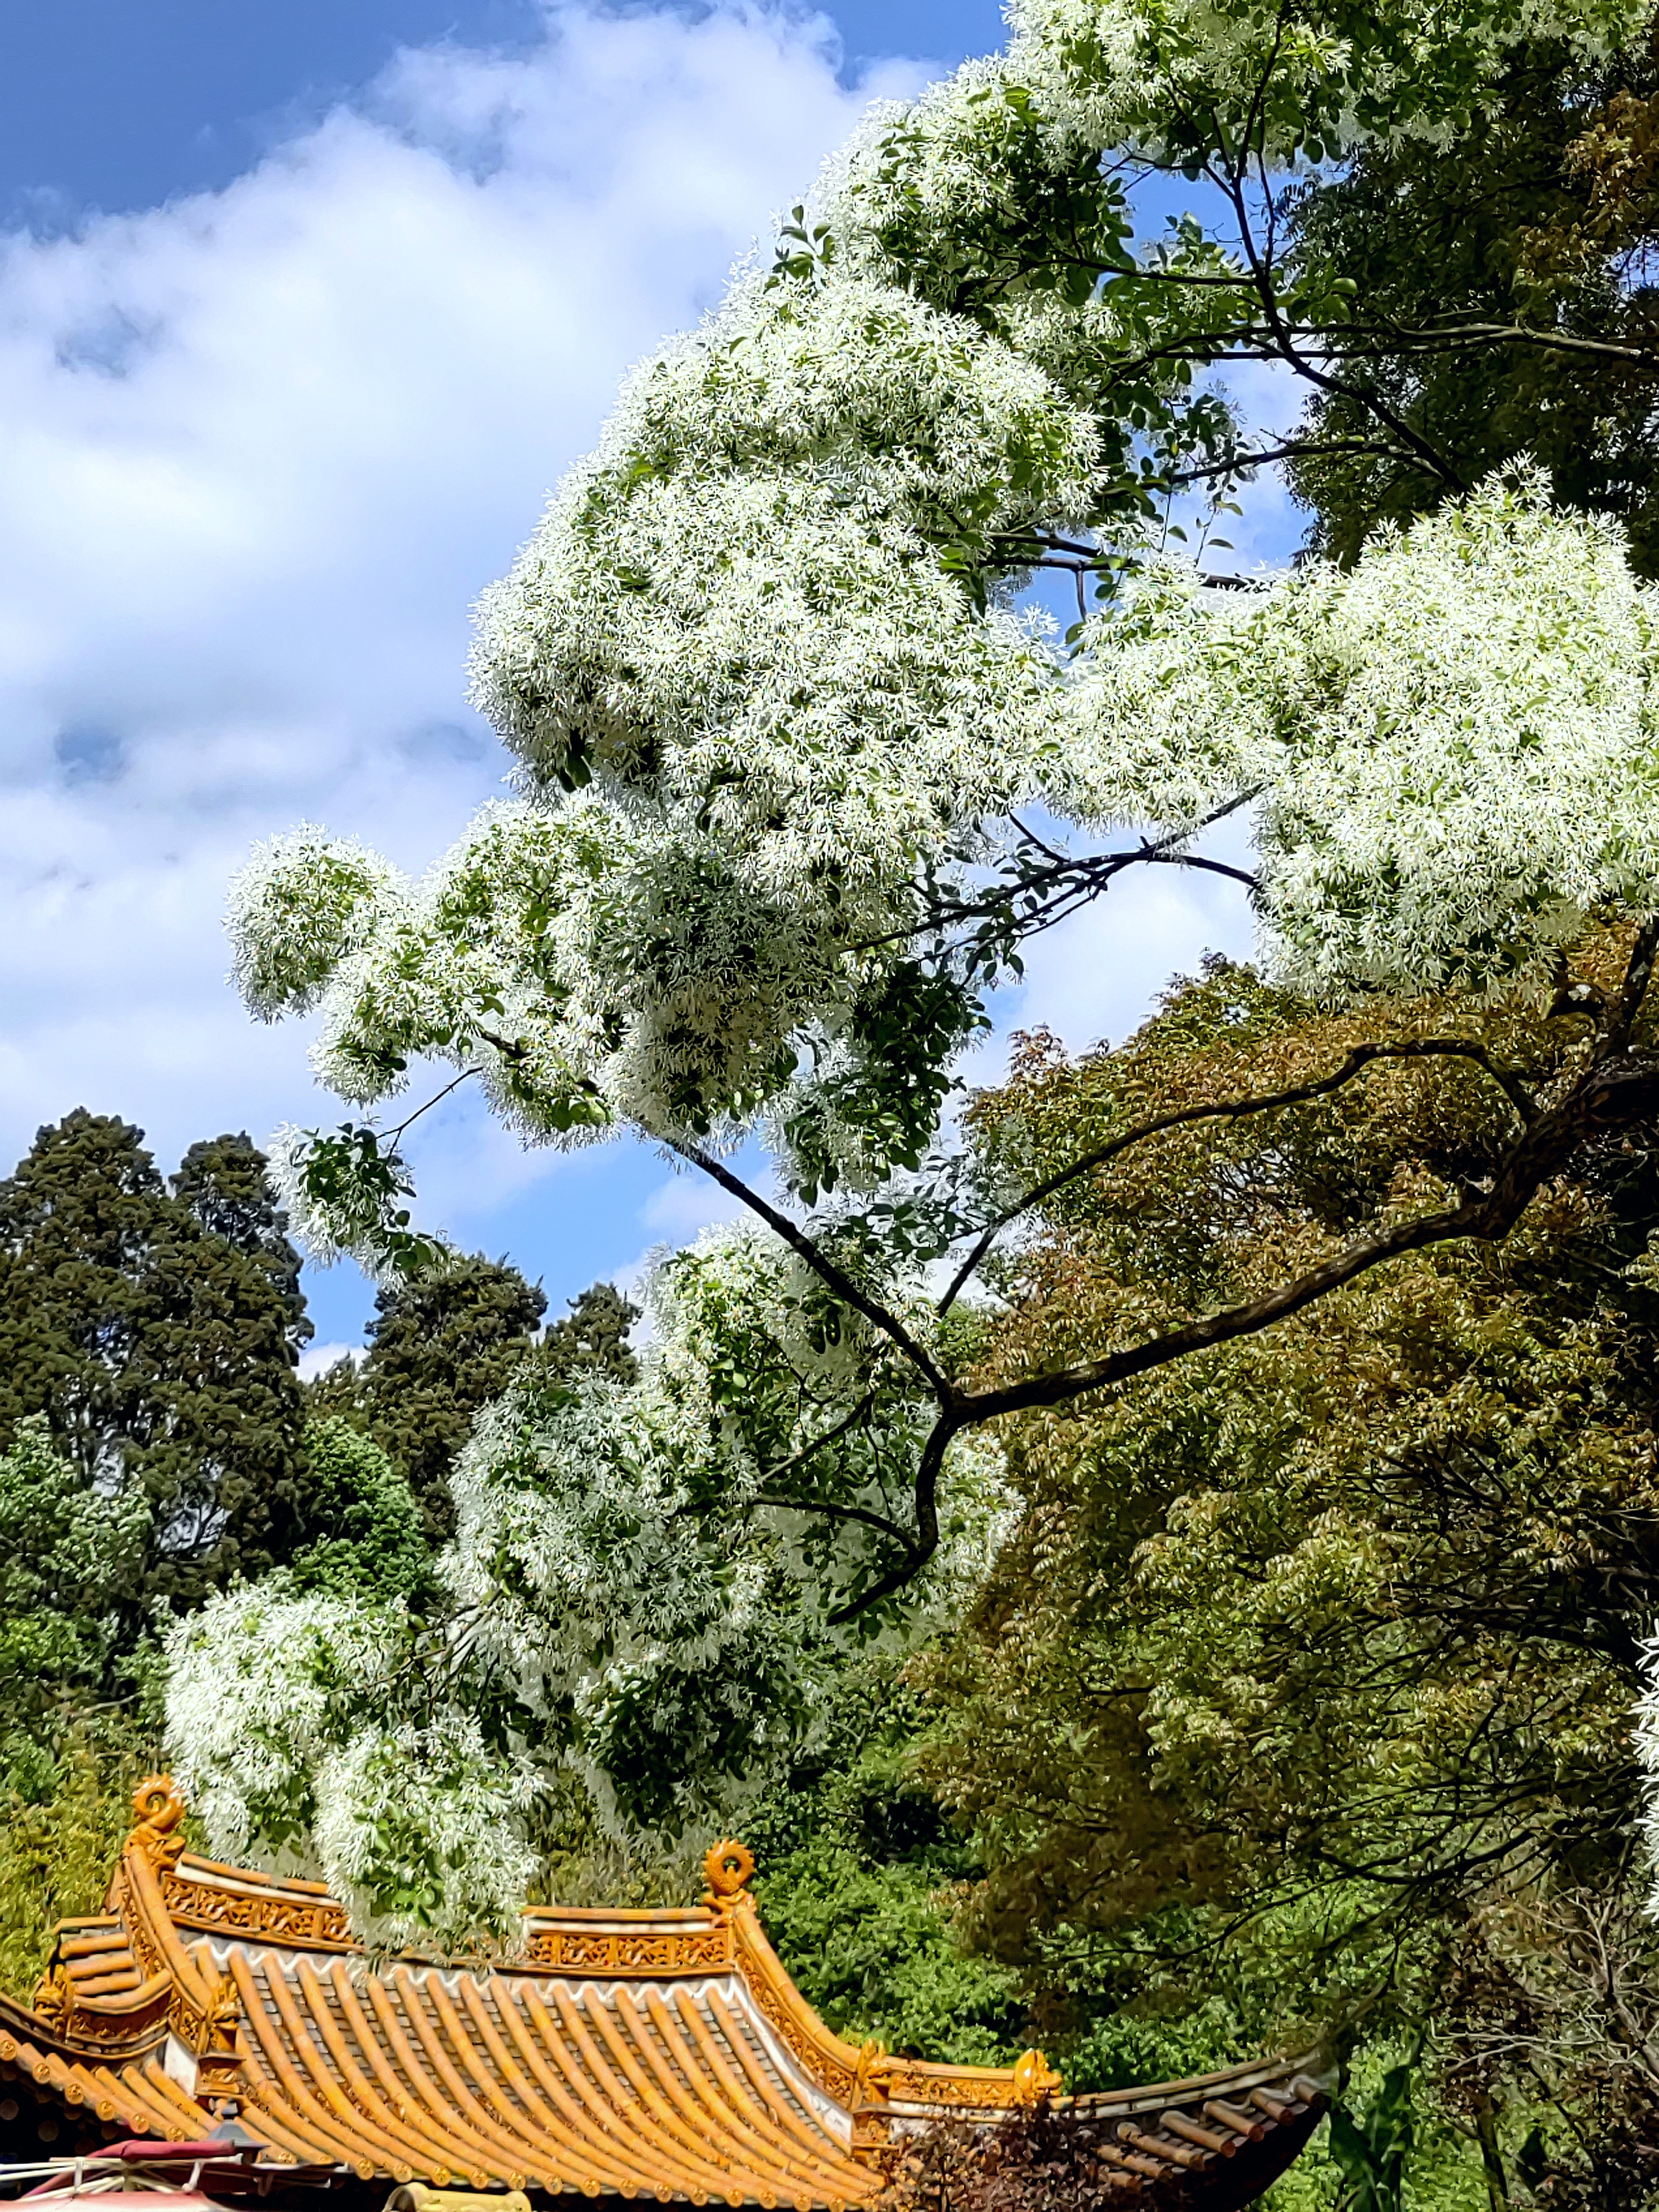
(466, 1075)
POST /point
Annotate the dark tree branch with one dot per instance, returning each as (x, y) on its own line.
(1638, 974)
(925, 1543)
(1606, 1099)
(1312, 450)
(1234, 1109)
(827, 1270)
(1284, 341)
(427, 1105)
(833, 1512)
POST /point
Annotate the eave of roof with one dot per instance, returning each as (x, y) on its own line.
(640, 2054)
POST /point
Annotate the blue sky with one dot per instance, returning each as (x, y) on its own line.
(304, 307)
(121, 104)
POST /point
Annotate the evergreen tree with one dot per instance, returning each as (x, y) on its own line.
(592, 1338)
(161, 1354)
(439, 1350)
(223, 1180)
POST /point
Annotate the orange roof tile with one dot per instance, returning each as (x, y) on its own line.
(662, 2055)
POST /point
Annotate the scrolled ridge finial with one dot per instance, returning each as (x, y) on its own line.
(1034, 2079)
(158, 1806)
(728, 1870)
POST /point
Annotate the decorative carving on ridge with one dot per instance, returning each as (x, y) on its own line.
(108, 2038)
(822, 2056)
(54, 1999)
(1034, 2079)
(874, 2073)
(621, 1952)
(307, 1922)
(212, 2028)
(728, 1868)
(158, 1806)
(989, 2090)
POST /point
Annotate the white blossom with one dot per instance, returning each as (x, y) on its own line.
(1454, 743)
(771, 718)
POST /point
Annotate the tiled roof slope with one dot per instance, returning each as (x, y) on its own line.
(634, 2054)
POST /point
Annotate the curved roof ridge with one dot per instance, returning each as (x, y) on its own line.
(664, 2052)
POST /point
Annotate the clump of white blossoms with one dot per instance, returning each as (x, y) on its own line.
(631, 1595)
(307, 1725)
(798, 770)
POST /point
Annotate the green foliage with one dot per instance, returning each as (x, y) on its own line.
(67, 1553)
(1540, 215)
(59, 1845)
(857, 1871)
(360, 1528)
(160, 1351)
(1370, 2148)
(351, 1178)
(1314, 1653)
(591, 1339)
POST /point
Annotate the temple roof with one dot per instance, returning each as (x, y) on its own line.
(663, 2054)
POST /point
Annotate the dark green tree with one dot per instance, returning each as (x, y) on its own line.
(439, 1350)
(161, 1354)
(1504, 285)
(591, 1339)
(223, 1180)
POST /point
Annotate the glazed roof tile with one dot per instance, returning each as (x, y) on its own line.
(662, 2055)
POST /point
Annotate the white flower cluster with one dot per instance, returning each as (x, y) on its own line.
(758, 704)
(301, 1725)
(617, 1580)
(615, 1550)
(1127, 67)
(1454, 743)
(1644, 1743)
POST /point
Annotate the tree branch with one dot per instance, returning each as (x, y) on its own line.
(925, 1541)
(807, 1451)
(1605, 1100)
(1361, 1057)
(827, 1270)
(1314, 449)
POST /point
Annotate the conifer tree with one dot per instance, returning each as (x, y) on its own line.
(438, 1349)
(223, 1182)
(592, 1338)
(162, 1353)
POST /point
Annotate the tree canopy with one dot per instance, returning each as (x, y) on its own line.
(805, 767)
(160, 1348)
(439, 1348)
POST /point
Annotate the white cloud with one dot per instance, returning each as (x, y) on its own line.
(317, 1358)
(686, 1202)
(263, 448)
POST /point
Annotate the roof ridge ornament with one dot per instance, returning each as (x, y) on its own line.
(158, 1804)
(1034, 2080)
(728, 1868)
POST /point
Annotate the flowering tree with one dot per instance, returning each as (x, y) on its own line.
(801, 772)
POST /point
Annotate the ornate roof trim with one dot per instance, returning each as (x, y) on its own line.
(665, 2054)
